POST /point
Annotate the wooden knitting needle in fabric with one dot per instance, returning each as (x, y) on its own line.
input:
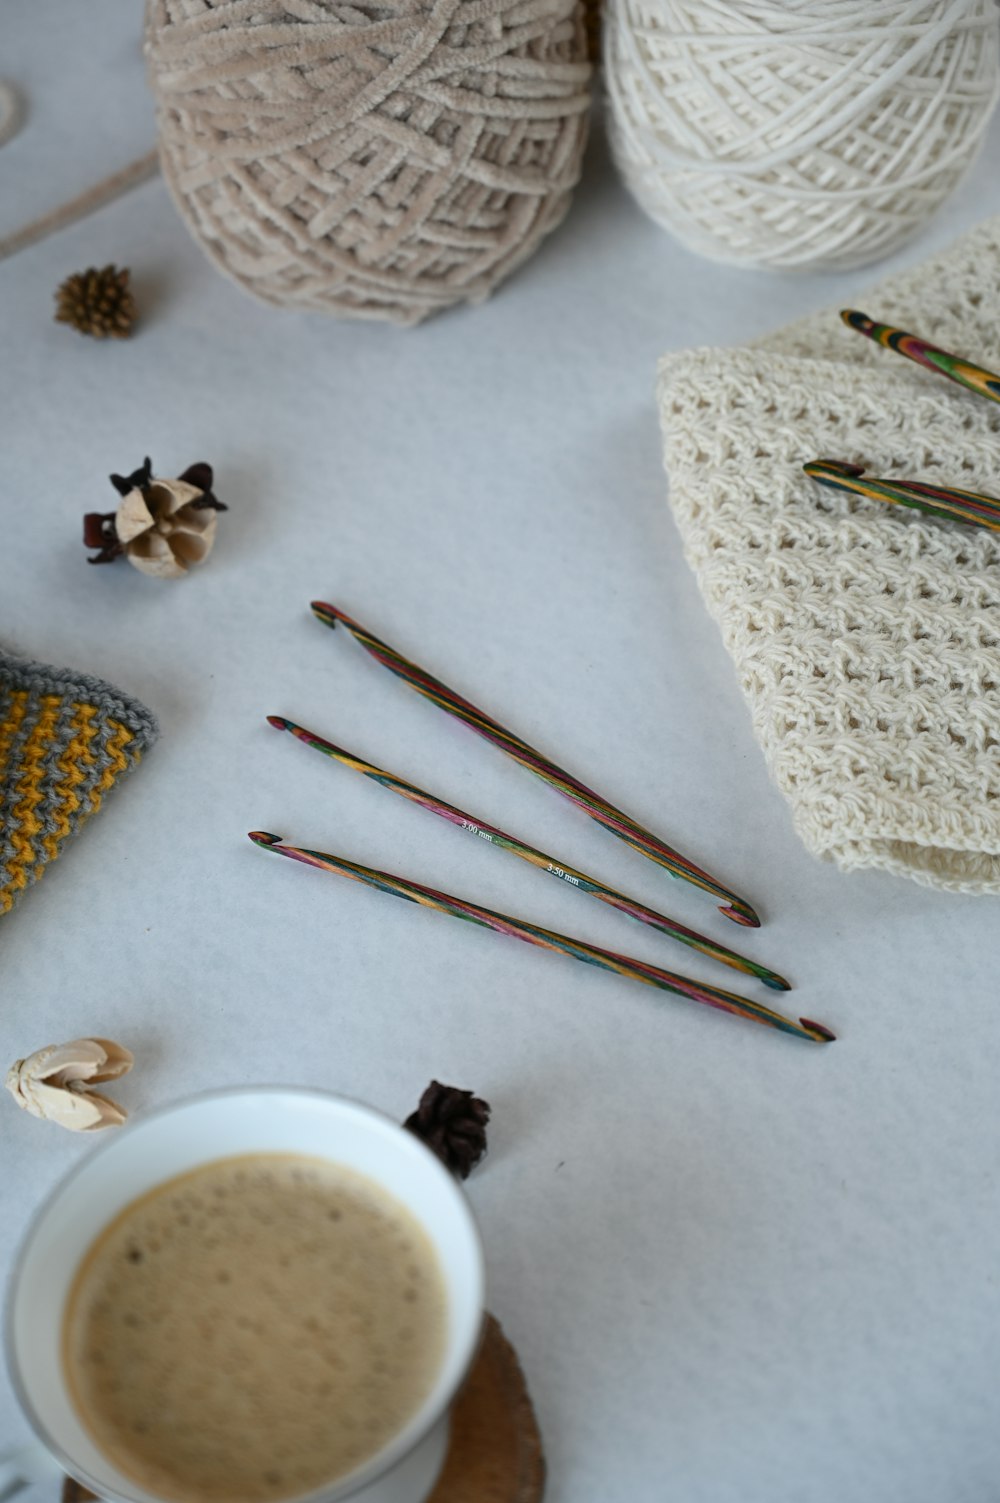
(984, 383)
(612, 819)
(969, 507)
(547, 939)
(501, 839)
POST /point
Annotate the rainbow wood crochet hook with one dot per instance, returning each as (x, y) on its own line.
(612, 819)
(937, 501)
(984, 383)
(547, 939)
(546, 863)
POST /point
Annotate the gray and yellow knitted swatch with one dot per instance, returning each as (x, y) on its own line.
(65, 739)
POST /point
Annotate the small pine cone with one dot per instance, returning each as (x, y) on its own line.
(97, 302)
(452, 1123)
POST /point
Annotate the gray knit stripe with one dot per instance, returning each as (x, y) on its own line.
(6, 709)
(20, 673)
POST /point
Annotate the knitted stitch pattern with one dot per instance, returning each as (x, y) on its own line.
(866, 638)
(65, 738)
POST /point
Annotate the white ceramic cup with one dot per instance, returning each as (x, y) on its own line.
(165, 1143)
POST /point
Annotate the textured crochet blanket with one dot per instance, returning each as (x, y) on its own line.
(65, 739)
(866, 637)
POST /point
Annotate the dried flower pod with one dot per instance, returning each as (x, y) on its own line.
(452, 1123)
(53, 1083)
(162, 527)
(98, 302)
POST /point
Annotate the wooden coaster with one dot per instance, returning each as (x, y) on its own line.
(495, 1452)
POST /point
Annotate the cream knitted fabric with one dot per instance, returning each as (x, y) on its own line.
(866, 637)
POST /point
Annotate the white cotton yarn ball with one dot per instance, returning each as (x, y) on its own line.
(817, 133)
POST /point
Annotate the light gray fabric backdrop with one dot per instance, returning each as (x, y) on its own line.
(738, 1269)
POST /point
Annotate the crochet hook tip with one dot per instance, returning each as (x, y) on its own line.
(324, 612)
(855, 319)
(823, 469)
(818, 1032)
(282, 723)
(264, 838)
(741, 913)
(775, 982)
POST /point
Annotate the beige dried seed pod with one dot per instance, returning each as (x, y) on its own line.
(161, 530)
(162, 527)
(52, 1083)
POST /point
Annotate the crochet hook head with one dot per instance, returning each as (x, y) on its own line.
(275, 843)
(833, 469)
(280, 723)
(818, 1032)
(855, 319)
(328, 614)
(741, 913)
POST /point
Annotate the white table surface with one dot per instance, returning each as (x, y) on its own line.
(738, 1268)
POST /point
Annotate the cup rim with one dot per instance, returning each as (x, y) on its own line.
(391, 1455)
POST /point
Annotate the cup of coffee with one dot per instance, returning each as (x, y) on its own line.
(254, 1296)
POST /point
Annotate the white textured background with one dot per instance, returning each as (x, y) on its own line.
(738, 1269)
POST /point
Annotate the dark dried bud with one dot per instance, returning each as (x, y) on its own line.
(137, 481)
(200, 475)
(452, 1123)
(99, 532)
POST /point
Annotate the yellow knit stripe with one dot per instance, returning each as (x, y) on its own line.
(28, 794)
(11, 726)
(76, 766)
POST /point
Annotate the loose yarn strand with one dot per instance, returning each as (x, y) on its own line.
(93, 198)
(10, 111)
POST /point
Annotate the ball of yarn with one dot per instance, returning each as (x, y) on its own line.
(798, 132)
(375, 158)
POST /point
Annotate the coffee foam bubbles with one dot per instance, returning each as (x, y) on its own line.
(253, 1330)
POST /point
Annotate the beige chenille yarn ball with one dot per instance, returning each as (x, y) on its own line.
(370, 158)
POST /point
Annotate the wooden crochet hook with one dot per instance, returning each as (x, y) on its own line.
(546, 939)
(502, 840)
(592, 804)
(970, 507)
(973, 377)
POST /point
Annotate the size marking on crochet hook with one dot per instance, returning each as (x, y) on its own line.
(483, 834)
(566, 877)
